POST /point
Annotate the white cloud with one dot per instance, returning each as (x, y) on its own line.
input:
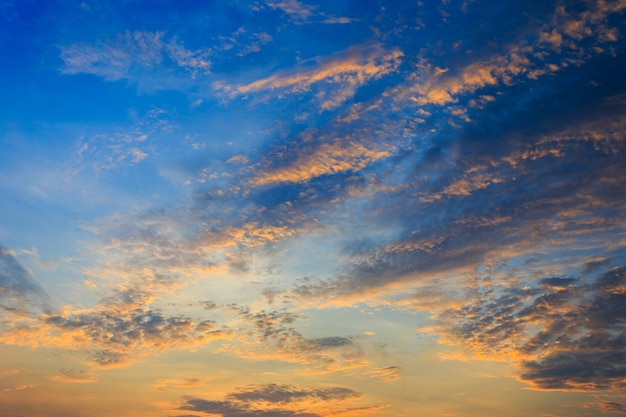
(139, 57)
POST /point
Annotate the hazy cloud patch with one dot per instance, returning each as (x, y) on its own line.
(148, 59)
(19, 292)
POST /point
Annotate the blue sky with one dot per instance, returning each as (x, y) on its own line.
(286, 208)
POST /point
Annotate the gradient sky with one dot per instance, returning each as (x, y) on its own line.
(280, 208)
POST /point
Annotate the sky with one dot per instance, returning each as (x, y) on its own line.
(283, 208)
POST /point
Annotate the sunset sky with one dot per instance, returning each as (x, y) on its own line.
(281, 208)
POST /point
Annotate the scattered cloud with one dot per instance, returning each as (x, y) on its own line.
(9, 372)
(564, 334)
(608, 407)
(111, 336)
(386, 374)
(283, 394)
(167, 383)
(274, 337)
(272, 400)
(230, 409)
(293, 8)
(336, 78)
(72, 376)
(481, 184)
(328, 159)
(21, 387)
(340, 20)
(149, 59)
(19, 292)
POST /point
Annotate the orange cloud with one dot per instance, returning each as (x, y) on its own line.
(71, 376)
(338, 157)
(164, 383)
(386, 374)
(345, 72)
(109, 337)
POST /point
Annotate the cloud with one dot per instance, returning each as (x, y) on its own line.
(9, 372)
(242, 42)
(283, 394)
(340, 20)
(491, 187)
(72, 376)
(336, 78)
(110, 336)
(327, 159)
(109, 151)
(504, 209)
(568, 38)
(19, 292)
(443, 89)
(293, 8)
(582, 327)
(489, 194)
(165, 383)
(21, 387)
(386, 374)
(230, 409)
(274, 337)
(608, 407)
(564, 334)
(145, 58)
(272, 400)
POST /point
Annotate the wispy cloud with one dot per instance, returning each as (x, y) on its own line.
(112, 336)
(550, 47)
(560, 333)
(301, 13)
(284, 394)
(72, 376)
(270, 400)
(386, 374)
(274, 337)
(167, 383)
(19, 292)
(328, 159)
(293, 8)
(336, 78)
(608, 407)
(148, 59)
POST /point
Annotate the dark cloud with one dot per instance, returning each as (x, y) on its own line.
(73, 376)
(608, 407)
(273, 393)
(272, 325)
(569, 334)
(116, 338)
(329, 342)
(595, 265)
(233, 409)
(565, 182)
(587, 339)
(277, 338)
(18, 289)
(556, 282)
(263, 400)
(273, 336)
(542, 156)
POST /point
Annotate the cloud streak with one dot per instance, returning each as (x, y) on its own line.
(111, 337)
(274, 337)
(146, 58)
(337, 77)
(274, 400)
(19, 292)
